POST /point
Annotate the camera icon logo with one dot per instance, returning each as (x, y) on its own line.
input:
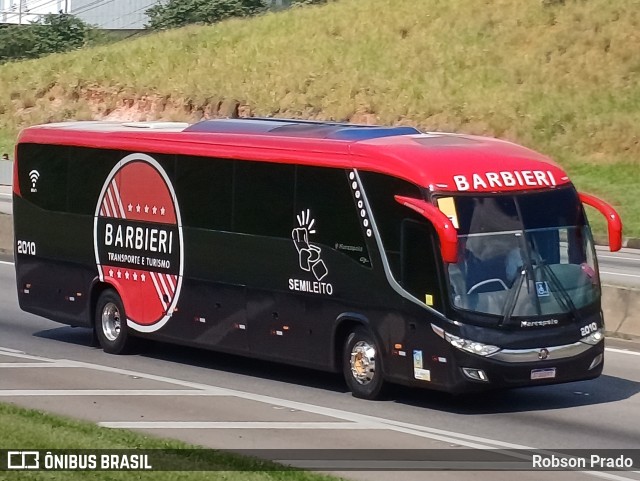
(21, 460)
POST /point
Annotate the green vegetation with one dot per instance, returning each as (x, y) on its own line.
(29, 429)
(55, 33)
(559, 76)
(178, 13)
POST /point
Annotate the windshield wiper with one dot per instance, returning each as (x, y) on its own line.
(526, 271)
(510, 303)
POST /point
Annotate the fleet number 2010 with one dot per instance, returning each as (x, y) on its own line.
(588, 329)
(27, 247)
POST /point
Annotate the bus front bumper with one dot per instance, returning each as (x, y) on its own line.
(528, 367)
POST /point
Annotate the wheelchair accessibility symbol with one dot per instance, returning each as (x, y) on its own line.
(542, 288)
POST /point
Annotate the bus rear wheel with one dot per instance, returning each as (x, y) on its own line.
(361, 365)
(111, 324)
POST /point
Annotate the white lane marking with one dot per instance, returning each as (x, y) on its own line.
(636, 259)
(238, 425)
(105, 392)
(7, 263)
(5, 195)
(421, 431)
(38, 365)
(12, 351)
(619, 274)
(5, 351)
(622, 351)
(467, 440)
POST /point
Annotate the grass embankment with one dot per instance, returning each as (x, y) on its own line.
(559, 76)
(26, 429)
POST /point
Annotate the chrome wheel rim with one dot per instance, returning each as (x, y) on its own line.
(363, 362)
(111, 323)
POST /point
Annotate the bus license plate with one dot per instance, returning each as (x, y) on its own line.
(543, 373)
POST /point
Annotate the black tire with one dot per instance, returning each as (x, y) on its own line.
(111, 324)
(362, 365)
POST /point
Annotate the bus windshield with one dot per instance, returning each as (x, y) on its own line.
(529, 254)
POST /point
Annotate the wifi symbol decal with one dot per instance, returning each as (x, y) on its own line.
(34, 175)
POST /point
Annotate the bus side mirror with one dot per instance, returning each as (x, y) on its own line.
(444, 227)
(614, 223)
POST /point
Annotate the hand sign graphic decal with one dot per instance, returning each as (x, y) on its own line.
(308, 254)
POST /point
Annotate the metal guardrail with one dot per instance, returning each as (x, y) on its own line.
(6, 179)
(6, 204)
(6, 173)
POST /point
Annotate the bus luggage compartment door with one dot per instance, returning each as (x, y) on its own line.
(277, 325)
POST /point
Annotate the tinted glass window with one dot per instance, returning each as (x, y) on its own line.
(388, 213)
(479, 215)
(43, 175)
(263, 199)
(204, 188)
(325, 204)
(87, 171)
(418, 270)
(558, 208)
(482, 214)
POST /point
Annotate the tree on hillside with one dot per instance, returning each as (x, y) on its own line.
(16, 42)
(178, 13)
(59, 33)
(54, 33)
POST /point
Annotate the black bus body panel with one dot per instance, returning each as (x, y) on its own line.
(252, 294)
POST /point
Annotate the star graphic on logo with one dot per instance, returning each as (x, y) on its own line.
(130, 207)
(155, 209)
(146, 209)
(162, 211)
(138, 208)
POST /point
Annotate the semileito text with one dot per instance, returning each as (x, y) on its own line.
(497, 180)
(314, 287)
(139, 238)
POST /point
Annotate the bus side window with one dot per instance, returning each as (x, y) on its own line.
(388, 214)
(204, 187)
(264, 199)
(328, 196)
(43, 175)
(419, 272)
(88, 169)
(407, 237)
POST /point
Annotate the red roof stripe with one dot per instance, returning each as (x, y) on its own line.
(438, 161)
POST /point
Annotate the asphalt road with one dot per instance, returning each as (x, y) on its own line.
(230, 402)
(620, 268)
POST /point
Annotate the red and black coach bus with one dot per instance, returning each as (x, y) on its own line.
(439, 260)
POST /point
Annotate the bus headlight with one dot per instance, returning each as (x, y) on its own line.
(593, 338)
(464, 344)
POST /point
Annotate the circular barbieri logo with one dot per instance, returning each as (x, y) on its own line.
(138, 241)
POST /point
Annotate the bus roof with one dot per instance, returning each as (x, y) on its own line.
(438, 161)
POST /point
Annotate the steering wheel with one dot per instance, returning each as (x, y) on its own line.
(488, 281)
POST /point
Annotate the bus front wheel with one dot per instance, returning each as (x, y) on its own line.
(111, 323)
(361, 364)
